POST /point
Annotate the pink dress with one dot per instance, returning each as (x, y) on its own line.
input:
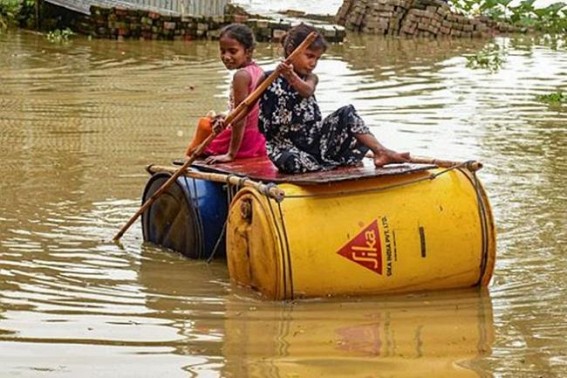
(253, 141)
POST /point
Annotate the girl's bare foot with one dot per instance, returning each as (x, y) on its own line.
(386, 156)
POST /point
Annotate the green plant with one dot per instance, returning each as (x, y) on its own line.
(522, 12)
(555, 98)
(552, 19)
(16, 12)
(9, 10)
(59, 36)
(497, 9)
(490, 57)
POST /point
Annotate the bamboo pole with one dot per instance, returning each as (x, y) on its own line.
(270, 190)
(241, 110)
(472, 165)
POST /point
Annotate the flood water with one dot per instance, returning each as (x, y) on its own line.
(80, 121)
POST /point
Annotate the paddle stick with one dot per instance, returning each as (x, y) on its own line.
(236, 115)
(470, 165)
(271, 191)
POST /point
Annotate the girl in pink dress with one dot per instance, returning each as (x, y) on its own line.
(241, 139)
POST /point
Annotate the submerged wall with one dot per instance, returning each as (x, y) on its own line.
(414, 18)
(123, 23)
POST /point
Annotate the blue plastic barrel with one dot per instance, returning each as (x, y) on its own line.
(188, 217)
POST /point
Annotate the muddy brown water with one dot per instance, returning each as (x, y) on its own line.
(79, 122)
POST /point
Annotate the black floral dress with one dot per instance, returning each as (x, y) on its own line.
(299, 140)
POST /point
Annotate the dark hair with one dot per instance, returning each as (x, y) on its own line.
(241, 33)
(297, 34)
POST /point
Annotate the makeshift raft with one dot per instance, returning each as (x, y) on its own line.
(349, 231)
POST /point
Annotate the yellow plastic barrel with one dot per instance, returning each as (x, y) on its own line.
(420, 231)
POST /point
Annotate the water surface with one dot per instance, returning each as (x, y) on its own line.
(78, 123)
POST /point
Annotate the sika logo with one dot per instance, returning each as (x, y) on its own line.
(364, 249)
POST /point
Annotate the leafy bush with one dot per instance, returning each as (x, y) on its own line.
(16, 12)
(9, 10)
(552, 19)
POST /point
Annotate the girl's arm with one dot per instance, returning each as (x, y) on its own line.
(240, 84)
(305, 87)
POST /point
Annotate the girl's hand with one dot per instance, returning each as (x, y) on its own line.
(304, 86)
(286, 70)
(219, 159)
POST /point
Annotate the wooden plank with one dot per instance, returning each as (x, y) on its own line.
(262, 169)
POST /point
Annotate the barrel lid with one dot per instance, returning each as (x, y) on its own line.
(255, 251)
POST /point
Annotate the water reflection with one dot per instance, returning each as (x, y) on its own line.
(441, 335)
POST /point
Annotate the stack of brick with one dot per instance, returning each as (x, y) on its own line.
(130, 23)
(500, 26)
(343, 11)
(438, 21)
(121, 23)
(274, 31)
(355, 17)
(385, 16)
(268, 30)
(414, 18)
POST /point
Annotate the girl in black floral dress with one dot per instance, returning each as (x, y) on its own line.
(298, 139)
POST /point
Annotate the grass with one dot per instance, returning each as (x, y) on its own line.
(491, 57)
